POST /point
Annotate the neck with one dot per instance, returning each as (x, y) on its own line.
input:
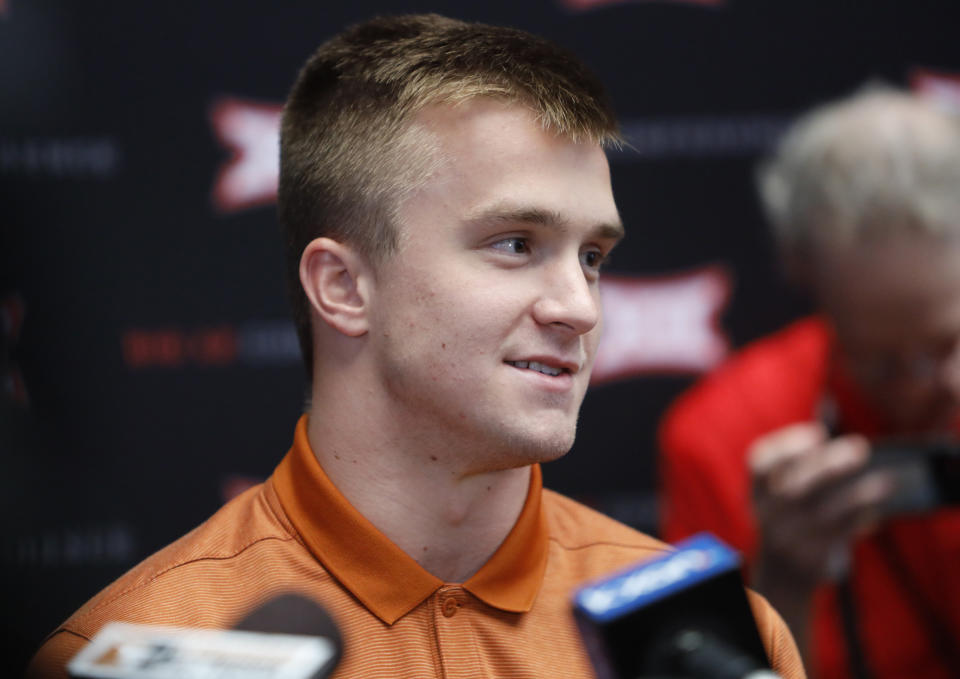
(446, 516)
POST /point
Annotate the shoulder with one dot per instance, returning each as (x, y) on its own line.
(194, 579)
(768, 383)
(779, 643)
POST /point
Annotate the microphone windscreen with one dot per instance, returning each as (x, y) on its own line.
(294, 614)
(634, 622)
(290, 614)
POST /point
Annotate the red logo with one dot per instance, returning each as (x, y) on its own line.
(941, 88)
(668, 324)
(584, 5)
(174, 348)
(251, 131)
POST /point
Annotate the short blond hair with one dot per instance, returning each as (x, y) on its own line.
(879, 161)
(348, 153)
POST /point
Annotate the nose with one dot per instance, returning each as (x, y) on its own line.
(568, 299)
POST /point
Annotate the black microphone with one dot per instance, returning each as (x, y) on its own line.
(683, 615)
(289, 637)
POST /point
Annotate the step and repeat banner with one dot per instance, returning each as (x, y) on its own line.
(148, 367)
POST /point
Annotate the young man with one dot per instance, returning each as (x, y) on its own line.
(447, 207)
(770, 451)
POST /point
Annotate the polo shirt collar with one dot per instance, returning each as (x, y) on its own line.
(380, 574)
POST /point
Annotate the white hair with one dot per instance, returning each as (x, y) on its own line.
(877, 162)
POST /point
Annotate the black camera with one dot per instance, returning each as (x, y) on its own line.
(926, 473)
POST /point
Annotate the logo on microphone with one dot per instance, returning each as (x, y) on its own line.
(697, 559)
(646, 580)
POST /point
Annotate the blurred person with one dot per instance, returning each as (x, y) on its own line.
(771, 452)
(447, 207)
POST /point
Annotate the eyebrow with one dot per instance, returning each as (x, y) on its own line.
(514, 214)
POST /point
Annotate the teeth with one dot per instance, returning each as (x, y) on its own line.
(545, 369)
(539, 367)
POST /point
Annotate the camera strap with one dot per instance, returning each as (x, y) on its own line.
(856, 658)
(943, 642)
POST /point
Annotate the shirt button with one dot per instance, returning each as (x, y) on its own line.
(450, 607)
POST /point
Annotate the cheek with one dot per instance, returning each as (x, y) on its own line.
(454, 330)
(909, 399)
(459, 313)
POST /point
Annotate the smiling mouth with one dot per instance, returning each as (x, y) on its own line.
(538, 367)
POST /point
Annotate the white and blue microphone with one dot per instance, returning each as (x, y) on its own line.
(683, 615)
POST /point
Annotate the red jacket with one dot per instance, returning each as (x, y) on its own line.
(779, 380)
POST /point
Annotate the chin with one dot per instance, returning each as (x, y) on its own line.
(545, 447)
(509, 447)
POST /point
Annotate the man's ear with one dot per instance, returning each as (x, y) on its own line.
(335, 278)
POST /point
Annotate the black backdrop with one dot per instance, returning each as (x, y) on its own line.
(149, 369)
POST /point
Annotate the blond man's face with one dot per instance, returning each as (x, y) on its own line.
(487, 319)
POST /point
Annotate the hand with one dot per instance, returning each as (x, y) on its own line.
(812, 498)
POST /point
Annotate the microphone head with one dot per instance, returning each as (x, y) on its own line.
(290, 614)
(298, 615)
(634, 622)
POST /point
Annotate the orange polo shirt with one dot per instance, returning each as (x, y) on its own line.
(297, 533)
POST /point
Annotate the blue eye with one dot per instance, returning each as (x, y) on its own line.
(592, 259)
(514, 245)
